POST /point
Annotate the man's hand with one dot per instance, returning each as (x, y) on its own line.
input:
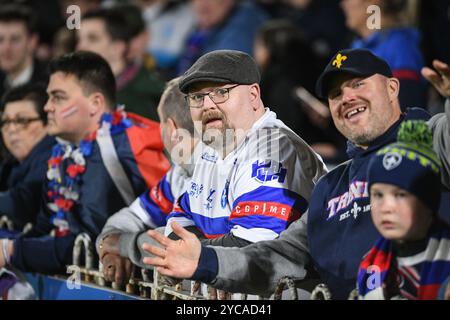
(439, 78)
(117, 268)
(109, 244)
(178, 259)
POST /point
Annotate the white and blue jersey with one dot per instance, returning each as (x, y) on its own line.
(154, 205)
(257, 190)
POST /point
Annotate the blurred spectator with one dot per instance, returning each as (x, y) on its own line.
(106, 32)
(138, 35)
(222, 24)
(64, 39)
(80, 190)
(287, 64)
(393, 41)
(48, 19)
(169, 22)
(18, 43)
(325, 37)
(24, 134)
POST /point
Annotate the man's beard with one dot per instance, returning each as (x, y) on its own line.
(220, 138)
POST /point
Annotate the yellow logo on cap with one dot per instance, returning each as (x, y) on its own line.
(338, 60)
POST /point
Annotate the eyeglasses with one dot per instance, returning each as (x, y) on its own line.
(218, 95)
(21, 123)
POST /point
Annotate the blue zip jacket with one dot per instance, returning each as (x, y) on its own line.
(21, 201)
(144, 163)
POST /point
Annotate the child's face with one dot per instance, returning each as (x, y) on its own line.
(397, 214)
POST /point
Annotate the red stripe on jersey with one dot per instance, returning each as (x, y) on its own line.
(160, 200)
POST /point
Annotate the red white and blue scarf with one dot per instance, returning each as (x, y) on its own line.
(427, 269)
(64, 185)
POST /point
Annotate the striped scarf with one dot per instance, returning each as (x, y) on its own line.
(433, 265)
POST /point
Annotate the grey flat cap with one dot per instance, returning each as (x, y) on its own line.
(221, 66)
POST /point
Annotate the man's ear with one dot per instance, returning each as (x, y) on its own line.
(97, 103)
(255, 94)
(172, 127)
(393, 88)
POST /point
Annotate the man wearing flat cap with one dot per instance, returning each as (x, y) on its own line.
(255, 175)
(337, 230)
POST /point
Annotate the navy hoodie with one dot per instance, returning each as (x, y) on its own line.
(340, 205)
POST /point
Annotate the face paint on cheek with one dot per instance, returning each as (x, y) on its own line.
(68, 111)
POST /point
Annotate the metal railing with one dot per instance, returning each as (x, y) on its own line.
(158, 287)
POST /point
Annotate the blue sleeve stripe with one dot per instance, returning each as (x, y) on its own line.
(153, 210)
(184, 205)
(164, 185)
(279, 195)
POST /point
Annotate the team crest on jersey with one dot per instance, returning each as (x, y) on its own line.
(268, 170)
(391, 160)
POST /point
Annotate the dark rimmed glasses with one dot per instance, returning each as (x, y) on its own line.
(218, 95)
(21, 123)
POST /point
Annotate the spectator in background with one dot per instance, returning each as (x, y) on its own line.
(169, 23)
(102, 161)
(18, 43)
(326, 37)
(287, 64)
(221, 24)
(108, 33)
(394, 42)
(64, 40)
(24, 133)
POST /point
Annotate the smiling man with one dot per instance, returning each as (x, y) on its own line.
(337, 230)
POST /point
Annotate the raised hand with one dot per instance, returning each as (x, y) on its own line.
(175, 258)
(439, 78)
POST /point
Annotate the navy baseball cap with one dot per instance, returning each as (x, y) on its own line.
(358, 62)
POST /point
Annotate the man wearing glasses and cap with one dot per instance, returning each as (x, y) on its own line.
(337, 230)
(255, 175)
